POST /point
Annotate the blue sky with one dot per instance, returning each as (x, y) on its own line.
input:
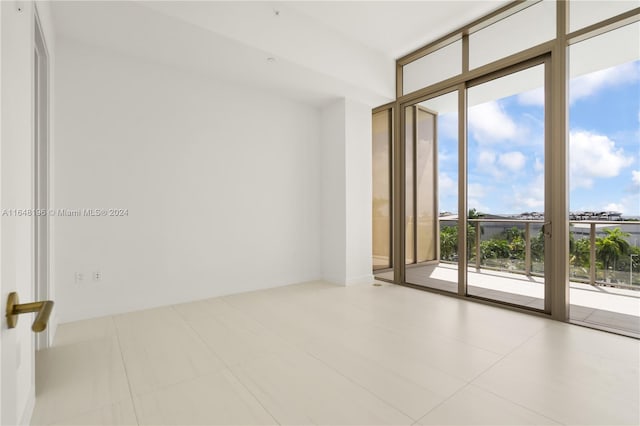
(506, 148)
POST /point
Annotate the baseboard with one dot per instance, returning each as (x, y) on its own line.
(363, 279)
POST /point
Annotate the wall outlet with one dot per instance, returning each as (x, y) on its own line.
(97, 276)
(79, 277)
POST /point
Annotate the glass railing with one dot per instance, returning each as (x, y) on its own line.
(601, 252)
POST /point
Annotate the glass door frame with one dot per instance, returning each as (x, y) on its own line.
(544, 60)
(511, 65)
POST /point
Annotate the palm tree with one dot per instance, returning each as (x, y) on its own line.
(610, 247)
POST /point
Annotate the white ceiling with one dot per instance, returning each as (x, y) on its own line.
(395, 28)
(322, 50)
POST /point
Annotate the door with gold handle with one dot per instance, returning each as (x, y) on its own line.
(14, 308)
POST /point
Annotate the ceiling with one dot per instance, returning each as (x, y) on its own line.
(310, 51)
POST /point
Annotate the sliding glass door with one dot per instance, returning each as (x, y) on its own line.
(435, 147)
(507, 224)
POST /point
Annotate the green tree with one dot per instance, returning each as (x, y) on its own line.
(512, 234)
(471, 233)
(537, 247)
(495, 249)
(449, 242)
(610, 247)
(580, 253)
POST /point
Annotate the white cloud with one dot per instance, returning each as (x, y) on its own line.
(533, 97)
(635, 178)
(475, 197)
(496, 165)
(628, 206)
(444, 155)
(613, 207)
(448, 125)
(539, 165)
(486, 161)
(594, 156)
(529, 197)
(513, 161)
(489, 123)
(446, 185)
(474, 203)
(475, 190)
(631, 205)
(589, 84)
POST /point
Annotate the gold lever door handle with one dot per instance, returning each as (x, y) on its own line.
(14, 308)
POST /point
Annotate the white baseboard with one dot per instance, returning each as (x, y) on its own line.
(363, 279)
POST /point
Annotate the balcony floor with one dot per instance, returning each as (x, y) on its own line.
(604, 307)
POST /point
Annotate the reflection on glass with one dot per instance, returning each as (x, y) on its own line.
(584, 13)
(409, 191)
(506, 188)
(425, 185)
(437, 194)
(444, 63)
(381, 190)
(532, 26)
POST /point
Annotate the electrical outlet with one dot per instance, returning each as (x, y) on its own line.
(79, 277)
(97, 276)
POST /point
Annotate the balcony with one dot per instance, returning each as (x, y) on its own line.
(506, 264)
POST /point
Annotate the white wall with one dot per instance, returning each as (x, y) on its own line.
(333, 131)
(358, 184)
(222, 186)
(346, 192)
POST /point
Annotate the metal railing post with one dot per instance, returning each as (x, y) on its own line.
(527, 248)
(592, 254)
(477, 224)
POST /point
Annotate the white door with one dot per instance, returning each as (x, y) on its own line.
(17, 196)
(41, 173)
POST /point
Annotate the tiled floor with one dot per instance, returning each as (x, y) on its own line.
(320, 354)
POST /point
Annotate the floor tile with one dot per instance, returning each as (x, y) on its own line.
(80, 331)
(298, 389)
(119, 414)
(77, 378)
(323, 354)
(450, 356)
(233, 336)
(398, 391)
(213, 399)
(164, 352)
(475, 406)
(573, 375)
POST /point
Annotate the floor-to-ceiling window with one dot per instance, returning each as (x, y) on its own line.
(490, 160)
(604, 171)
